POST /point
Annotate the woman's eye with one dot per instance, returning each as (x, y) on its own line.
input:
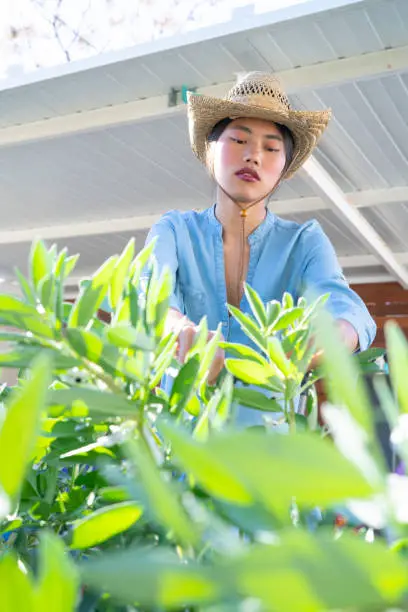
(272, 149)
(237, 140)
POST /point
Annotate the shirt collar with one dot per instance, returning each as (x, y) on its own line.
(257, 235)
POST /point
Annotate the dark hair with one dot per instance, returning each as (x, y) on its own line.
(288, 140)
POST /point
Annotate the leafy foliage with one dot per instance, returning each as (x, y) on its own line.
(115, 495)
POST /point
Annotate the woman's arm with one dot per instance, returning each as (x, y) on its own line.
(165, 253)
(322, 274)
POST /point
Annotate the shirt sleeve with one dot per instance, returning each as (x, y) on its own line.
(322, 274)
(165, 253)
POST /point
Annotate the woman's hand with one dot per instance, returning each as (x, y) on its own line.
(349, 337)
(186, 338)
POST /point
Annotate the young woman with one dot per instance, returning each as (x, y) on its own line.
(249, 142)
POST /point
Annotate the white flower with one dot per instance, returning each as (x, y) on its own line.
(398, 494)
(375, 512)
(5, 507)
(351, 440)
(399, 434)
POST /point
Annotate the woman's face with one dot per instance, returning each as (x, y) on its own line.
(249, 158)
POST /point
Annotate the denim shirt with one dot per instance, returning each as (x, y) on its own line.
(284, 256)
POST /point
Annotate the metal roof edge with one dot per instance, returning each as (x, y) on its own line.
(242, 22)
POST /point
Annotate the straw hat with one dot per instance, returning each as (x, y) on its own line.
(259, 95)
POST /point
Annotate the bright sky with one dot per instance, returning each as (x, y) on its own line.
(41, 33)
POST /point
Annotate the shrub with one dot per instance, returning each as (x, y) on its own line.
(116, 496)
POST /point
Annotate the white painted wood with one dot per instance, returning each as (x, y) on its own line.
(140, 222)
(294, 80)
(368, 261)
(89, 228)
(354, 220)
(359, 199)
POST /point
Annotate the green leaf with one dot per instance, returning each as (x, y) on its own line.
(58, 579)
(341, 376)
(92, 295)
(213, 474)
(253, 373)
(16, 313)
(200, 339)
(193, 406)
(306, 573)
(98, 402)
(25, 287)
(160, 298)
(122, 314)
(165, 353)
(287, 318)
(317, 306)
(256, 305)
(184, 384)
(398, 361)
(21, 426)
(52, 252)
(126, 336)
(278, 357)
(296, 342)
(370, 355)
(153, 578)
(59, 266)
(222, 402)
(20, 357)
(114, 494)
(91, 347)
(249, 327)
(69, 266)
(296, 466)
(242, 351)
(209, 353)
(255, 399)
(104, 524)
(87, 344)
(16, 593)
(163, 500)
(273, 309)
(121, 273)
(287, 301)
(142, 259)
(47, 293)
(134, 306)
(40, 262)
(216, 412)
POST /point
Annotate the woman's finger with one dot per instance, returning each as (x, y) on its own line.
(185, 341)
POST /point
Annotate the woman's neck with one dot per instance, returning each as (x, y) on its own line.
(228, 214)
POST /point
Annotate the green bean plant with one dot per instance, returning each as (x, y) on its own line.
(116, 495)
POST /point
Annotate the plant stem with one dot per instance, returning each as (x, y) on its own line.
(93, 369)
(292, 419)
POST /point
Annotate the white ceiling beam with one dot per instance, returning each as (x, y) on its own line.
(328, 189)
(309, 77)
(368, 261)
(359, 199)
(85, 228)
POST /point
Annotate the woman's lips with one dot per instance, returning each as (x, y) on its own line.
(248, 176)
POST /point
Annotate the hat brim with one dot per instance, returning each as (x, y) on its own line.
(204, 112)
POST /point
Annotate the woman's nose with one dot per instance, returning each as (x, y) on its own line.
(252, 155)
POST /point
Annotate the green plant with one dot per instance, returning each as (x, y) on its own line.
(159, 501)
